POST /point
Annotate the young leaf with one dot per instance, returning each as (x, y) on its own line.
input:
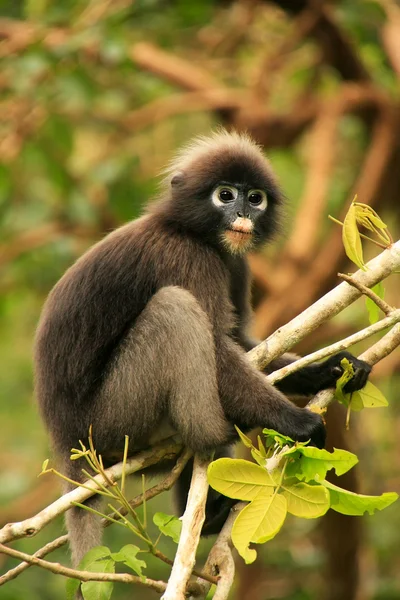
(373, 309)
(258, 457)
(315, 462)
(169, 525)
(243, 438)
(351, 238)
(99, 590)
(71, 587)
(278, 438)
(304, 500)
(261, 447)
(372, 397)
(127, 555)
(348, 373)
(239, 479)
(97, 560)
(356, 403)
(258, 522)
(93, 556)
(349, 503)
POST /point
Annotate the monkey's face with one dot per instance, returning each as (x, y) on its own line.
(240, 207)
(226, 194)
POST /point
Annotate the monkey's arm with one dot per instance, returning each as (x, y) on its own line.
(249, 401)
(317, 376)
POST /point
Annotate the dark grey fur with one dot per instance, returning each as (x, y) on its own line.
(148, 329)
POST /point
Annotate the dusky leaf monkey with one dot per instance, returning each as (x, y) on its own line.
(148, 329)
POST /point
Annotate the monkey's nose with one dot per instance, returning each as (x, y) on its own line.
(240, 214)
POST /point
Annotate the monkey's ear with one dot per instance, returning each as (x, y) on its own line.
(178, 178)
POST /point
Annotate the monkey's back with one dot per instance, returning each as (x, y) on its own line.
(96, 302)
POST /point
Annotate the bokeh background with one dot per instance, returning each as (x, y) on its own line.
(95, 98)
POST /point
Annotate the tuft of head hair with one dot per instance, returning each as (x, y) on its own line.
(218, 143)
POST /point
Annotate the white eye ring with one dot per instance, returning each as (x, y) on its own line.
(263, 202)
(216, 195)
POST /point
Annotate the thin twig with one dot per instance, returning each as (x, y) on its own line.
(158, 586)
(337, 347)
(164, 485)
(50, 547)
(384, 306)
(30, 527)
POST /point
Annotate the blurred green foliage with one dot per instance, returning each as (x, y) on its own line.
(73, 167)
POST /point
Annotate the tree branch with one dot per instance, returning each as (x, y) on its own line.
(192, 522)
(325, 308)
(164, 485)
(158, 586)
(30, 527)
(334, 348)
(220, 561)
(384, 306)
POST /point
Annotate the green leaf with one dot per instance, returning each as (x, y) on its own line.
(99, 590)
(348, 373)
(261, 447)
(97, 560)
(315, 462)
(356, 403)
(304, 500)
(239, 479)
(349, 503)
(71, 587)
(371, 397)
(277, 437)
(127, 555)
(246, 440)
(169, 525)
(365, 212)
(351, 238)
(258, 522)
(92, 556)
(373, 309)
(258, 457)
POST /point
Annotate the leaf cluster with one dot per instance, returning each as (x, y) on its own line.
(361, 216)
(289, 477)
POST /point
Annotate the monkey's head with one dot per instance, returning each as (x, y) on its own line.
(223, 190)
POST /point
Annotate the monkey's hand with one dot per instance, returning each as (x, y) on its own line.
(306, 426)
(331, 370)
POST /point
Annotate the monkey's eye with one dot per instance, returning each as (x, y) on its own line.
(258, 198)
(224, 194)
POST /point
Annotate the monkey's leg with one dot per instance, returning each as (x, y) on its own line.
(164, 372)
(217, 506)
(163, 376)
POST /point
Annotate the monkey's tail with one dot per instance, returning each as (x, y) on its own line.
(84, 528)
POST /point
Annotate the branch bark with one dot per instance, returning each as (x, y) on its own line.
(192, 522)
(334, 348)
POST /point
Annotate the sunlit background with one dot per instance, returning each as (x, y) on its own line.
(96, 97)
